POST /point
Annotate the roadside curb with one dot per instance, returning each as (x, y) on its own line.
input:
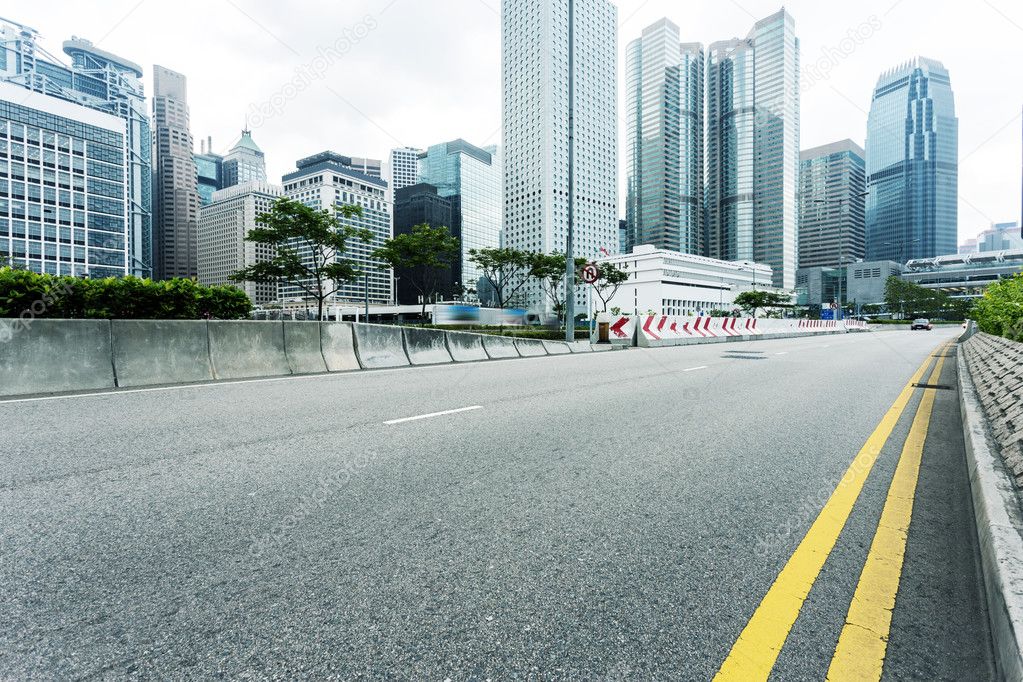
(999, 532)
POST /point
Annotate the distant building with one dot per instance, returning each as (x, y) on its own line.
(327, 181)
(912, 164)
(673, 283)
(209, 168)
(964, 276)
(105, 82)
(832, 222)
(223, 225)
(664, 114)
(472, 177)
(422, 204)
(64, 208)
(968, 246)
(859, 283)
(245, 162)
(1000, 237)
(623, 236)
(404, 167)
(175, 180)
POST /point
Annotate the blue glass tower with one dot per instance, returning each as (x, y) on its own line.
(912, 164)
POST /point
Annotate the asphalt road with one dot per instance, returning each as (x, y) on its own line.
(611, 515)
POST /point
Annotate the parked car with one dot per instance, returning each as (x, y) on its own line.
(922, 324)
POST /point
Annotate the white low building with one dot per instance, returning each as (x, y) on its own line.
(672, 283)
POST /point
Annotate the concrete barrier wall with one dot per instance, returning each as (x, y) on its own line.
(426, 346)
(556, 347)
(466, 347)
(154, 352)
(49, 356)
(379, 346)
(337, 341)
(246, 350)
(302, 346)
(530, 348)
(500, 347)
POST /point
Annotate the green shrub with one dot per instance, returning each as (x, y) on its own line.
(129, 298)
(1000, 310)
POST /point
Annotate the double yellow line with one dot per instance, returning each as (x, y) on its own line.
(863, 642)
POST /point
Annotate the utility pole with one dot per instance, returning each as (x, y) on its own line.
(365, 288)
(569, 246)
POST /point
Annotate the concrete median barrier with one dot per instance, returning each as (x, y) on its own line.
(246, 350)
(499, 347)
(530, 348)
(302, 346)
(337, 342)
(466, 347)
(426, 346)
(556, 347)
(379, 346)
(580, 347)
(154, 352)
(54, 356)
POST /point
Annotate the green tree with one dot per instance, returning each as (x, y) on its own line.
(1000, 310)
(549, 270)
(751, 301)
(912, 300)
(505, 272)
(422, 255)
(610, 279)
(310, 246)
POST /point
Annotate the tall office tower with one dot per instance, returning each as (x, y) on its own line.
(422, 204)
(404, 168)
(832, 208)
(245, 162)
(175, 180)
(753, 148)
(223, 225)
(209, 168)
(63, 197)
(326, 181)
(105, 82)
(664, 102)
(472, 177)
(912, 164)
(535, 41)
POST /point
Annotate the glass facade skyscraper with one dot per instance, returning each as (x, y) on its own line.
(105, 82)
(245, 162)
(753, 148)
(912, 164)
(474, 176)
(664, 102)
(832, 223)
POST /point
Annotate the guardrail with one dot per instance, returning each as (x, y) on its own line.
(63, 356)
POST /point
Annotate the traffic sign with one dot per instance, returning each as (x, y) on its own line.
(591, 273)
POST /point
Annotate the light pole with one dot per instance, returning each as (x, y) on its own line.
(570, 238)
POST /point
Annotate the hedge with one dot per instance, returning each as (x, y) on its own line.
(25, 293)
(1000, 310)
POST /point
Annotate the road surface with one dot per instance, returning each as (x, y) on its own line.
(633, 515)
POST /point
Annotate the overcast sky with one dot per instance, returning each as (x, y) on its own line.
(377, 74)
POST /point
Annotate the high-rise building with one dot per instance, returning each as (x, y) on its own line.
(422, 204)
(245, 162)
(327, 181)
(753, 148)
(832, 223)
(474, 176)
(223, 225)
(63, 197)
(912, 164)
(209, 168)
(105, 82)
(404, 168)
(175, 179)
(535, 57)
(999, 237)
(664, 112)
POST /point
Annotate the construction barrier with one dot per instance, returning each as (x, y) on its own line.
(302, 347)
(49, 356)
(245, 350)
(155, 352)
(466, 347)
(426, 346)
(556, 347)
(499, 347)
(530, 348)
(379, 346)
(337, 341)
(621, 331)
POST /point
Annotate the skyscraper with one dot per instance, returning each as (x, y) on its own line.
(421, 204)
(245, 162)
(176, 194)
(105, 82)
(209, 170)
(664, 102)
(753, 147)
(404, 167)
(832, 224)
(535, 59)
(912, 164)
(472, 177)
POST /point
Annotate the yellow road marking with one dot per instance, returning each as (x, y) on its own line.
(864, 640)
(755, 651)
